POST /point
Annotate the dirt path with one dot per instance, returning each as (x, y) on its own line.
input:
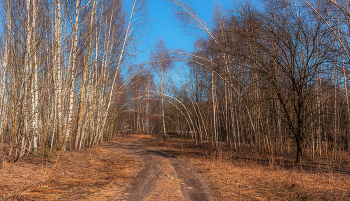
(163, 177)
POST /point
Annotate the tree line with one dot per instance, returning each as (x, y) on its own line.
(273, 78)
(61, 71)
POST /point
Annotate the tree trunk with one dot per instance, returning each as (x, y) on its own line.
(82, 90)
(35, 92)
(73, 69)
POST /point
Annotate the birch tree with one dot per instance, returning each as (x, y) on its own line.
(162, 61)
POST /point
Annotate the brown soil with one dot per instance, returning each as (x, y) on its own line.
(163, 177)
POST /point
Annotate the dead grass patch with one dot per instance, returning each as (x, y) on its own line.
(143, 136)
(249, 175)
(249, 181)
(96, 173)
(126, 137)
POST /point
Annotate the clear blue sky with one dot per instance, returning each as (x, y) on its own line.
(165, 25)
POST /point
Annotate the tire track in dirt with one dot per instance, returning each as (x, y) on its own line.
(193, 187)
(146, 179)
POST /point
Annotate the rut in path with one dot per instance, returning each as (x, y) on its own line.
(163, 177)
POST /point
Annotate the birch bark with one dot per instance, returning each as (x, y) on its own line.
(57, 73)
(27, 67)
(4, 68)
(35, 92)
(82, 90)
(72, 75)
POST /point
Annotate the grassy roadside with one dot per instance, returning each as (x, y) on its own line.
(248, 175)
(101, 173)
(96, 174)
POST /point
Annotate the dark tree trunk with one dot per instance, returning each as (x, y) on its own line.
(298, 141)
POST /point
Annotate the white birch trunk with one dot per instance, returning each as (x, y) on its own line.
(82, 90)
(73, 60)
(57, 73)
(58, 94)
(4, 68)
(162, 90)
(27, 67)
(35, 94)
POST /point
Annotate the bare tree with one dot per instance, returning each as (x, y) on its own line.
(162, 61)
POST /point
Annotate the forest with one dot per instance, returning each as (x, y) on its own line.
(273, 77)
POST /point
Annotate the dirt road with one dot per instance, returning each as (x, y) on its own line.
(163, 177)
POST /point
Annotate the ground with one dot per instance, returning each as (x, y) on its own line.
(163, 176)
(248, 174)
(124, 169)
(145, 167)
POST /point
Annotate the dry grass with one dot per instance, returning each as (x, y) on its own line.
(96, 173)
(248, 175)
(142, 136)
(101, 174)
(133, 137)
(249, 181)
